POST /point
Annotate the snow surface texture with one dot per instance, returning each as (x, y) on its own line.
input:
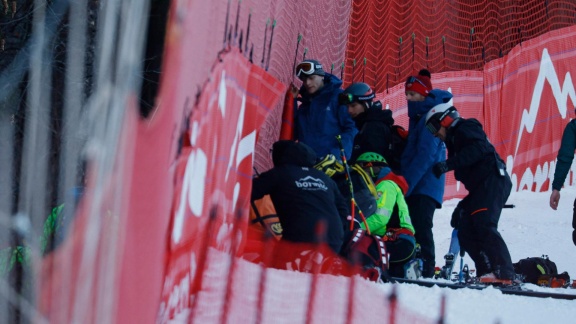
(530, 229)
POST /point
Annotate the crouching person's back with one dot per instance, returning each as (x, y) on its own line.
(303, 197)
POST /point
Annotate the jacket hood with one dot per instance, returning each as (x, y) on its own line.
(331, 83)
(374, 114)
(435, 97)
(387, 174)
(294, 153)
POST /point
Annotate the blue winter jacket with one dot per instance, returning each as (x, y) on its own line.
(319, 119)
(423, 150)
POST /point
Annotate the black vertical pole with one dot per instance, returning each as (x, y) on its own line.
(270, 44)
(248, 32)
(226, 25)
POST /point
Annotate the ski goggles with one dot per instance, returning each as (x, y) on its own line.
(307, 68)
(348, 98)
(433, 125)
(413, 79)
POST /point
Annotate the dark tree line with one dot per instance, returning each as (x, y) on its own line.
(16, 27)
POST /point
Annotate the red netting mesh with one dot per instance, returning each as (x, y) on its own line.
(390, 40)
(322, 24)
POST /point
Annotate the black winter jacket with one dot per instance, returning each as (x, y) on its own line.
(373, 132)
(470, 154)
(302, 195)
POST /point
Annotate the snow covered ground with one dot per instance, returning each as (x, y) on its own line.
(530, 229)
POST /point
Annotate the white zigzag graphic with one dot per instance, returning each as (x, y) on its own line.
(546, 73)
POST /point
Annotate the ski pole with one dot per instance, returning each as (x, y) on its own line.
(270, 44)
(264, 45)
(295, 55)
(226, 25)
(349, 180)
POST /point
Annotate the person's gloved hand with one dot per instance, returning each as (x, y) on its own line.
(440, 168)
(456, 216)
(390, 236)
(293, 90)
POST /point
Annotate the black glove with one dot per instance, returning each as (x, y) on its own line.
(456, 216)
(440, 168)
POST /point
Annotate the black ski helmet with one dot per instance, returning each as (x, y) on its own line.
(441, 115)
(357, 92)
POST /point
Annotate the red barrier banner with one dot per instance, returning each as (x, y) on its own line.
(214, 175)
(525, 126)
(529, 98)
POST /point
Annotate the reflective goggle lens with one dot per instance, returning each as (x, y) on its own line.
(345, 98)
(304, 67)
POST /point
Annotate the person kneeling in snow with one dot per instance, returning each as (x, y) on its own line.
(391, 220)
(303, 196)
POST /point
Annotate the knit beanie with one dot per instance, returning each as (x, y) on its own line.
(420, 83)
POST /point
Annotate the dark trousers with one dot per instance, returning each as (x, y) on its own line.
(401, 251)
(421, 210)
(574, 223)
(478, 227)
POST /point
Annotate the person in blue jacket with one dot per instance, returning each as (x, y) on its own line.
(319, 118)
(422, 151)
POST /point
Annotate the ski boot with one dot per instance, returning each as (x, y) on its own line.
(413, 269)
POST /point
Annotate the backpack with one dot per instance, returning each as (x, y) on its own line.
(397, 139)
(541, 271)
(364, 190)
(369, 251)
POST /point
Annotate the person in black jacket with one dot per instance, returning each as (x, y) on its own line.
(563, 164)
(303, 196)
(479, 167)
(373, 122)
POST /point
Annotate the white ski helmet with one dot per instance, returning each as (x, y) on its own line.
(441, 115)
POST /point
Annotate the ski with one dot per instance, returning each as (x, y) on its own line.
(517, 290)
(450, 257)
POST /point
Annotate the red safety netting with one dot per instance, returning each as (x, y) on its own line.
(272, 34)
(390, 40)
(162, 238)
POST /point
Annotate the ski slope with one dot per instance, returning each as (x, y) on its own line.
(530, 229)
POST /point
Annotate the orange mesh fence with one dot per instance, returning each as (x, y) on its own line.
(390, 40)
(252, 293)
